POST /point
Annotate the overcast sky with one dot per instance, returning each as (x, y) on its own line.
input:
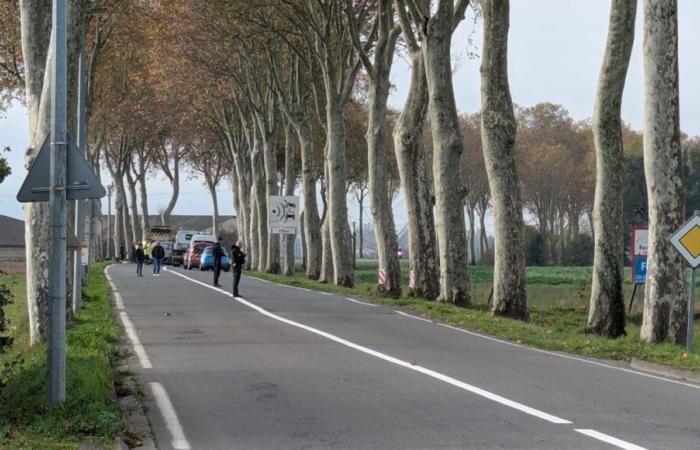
(555, 52)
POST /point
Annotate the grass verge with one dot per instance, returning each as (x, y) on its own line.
(90, 414)
(557, 301)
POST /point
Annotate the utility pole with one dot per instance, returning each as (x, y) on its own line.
(80, 203)
(56, 350)
(110, 189)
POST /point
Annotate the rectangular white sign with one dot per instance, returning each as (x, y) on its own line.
(283, 214)
(640, 244)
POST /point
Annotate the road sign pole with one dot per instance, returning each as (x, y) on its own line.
(79, 204)
(56, 351)
(691, 311)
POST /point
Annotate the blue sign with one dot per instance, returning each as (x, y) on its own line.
(640, 269)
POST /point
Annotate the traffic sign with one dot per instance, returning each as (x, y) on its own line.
(81, 181)
(640, 244)
(283, 214)
(640, 269)
(687, 241)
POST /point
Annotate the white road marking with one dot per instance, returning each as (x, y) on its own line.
(609, 439)
(413, 317)
(135, 342)
(431, 373)
(361, 303)
(325, 293)
(118, 301)
(179, 442)
(565, 356)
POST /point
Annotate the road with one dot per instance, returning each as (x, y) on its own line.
(289, 368)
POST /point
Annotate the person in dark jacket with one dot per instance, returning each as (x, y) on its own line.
(218, 256)
(139, 257)
(237, 262)
(157, 253)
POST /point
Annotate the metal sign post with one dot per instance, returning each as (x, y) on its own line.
(57, 205)
(687, 241)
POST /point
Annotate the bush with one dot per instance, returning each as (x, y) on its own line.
(534, 242)
(5, 299)
(579, 252)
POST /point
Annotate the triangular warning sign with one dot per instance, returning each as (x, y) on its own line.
(81, 181)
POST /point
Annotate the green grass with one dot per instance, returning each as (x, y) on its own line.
(557, 301)
(90, 414)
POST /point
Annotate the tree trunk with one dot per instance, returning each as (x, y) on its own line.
(271, 188)
(361, 207)
(312, 223)
(118, 225)
(606, 315)
(337, 195)
(302, 234)
(260, 203)
(215, 209)
(498, 130)
(377, 153)
(447, 148)
(289, 184)
(326, 275)
(483, 237)
(252, 262)
(145, 220)
(415, 181)
(175, 183)
(133, 204)
(36, 28)
(472, 234)
(664, 303)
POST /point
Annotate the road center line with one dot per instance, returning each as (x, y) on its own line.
(416, 368)
(361, 303)
(179, 442)
(609, 439)
(411, 316)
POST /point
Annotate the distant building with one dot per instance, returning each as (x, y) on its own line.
(12, 252)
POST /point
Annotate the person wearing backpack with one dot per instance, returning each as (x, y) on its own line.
(237, 262)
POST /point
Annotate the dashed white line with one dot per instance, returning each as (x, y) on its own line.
(179, 442)
(413, 317)
(609, 439)
(431, 373)
(361, 303)
(135, 342)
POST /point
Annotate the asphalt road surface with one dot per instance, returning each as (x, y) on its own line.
(289, 368)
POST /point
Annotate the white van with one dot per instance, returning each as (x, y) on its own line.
(203, 238)
(180, 245)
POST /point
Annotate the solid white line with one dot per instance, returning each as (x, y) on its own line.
(118, 301)
(565, 356)
(610, 440)
(325, 293)
(135, 342)
(431, 373)
(361, 303)
(179, 441)
(413, 317)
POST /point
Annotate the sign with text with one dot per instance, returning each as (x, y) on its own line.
(283, 214)
(640, 243)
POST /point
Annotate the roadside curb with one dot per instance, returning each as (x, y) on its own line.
(666, 371)
(138, 432)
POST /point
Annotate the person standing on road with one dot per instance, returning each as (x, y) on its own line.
(218, 256)
(157, 253)
(237, 262)
(138, 257)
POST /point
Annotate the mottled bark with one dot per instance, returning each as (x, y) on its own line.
(606, 313)
(145, 221)
(271, 188)
(173, 176)
(260, 187)
(289, 184)
(337, 199)
(498, 130)
(415, 183)
(134, 227)
(252, 262)
(36, 28)
(664, 303)
(447, 148)
(326, 275)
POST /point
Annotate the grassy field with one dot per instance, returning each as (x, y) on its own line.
(558, 304)
(89, 415)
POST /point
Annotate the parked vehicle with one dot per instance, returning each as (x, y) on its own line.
(206, 261)
(180, 245)
(210, 238)
(194, 254)
(165, 236)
